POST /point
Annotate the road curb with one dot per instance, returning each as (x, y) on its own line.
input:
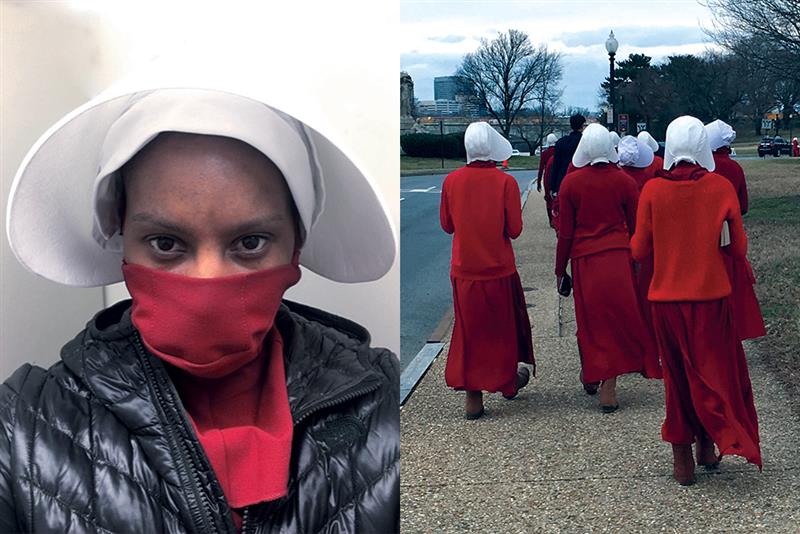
(415, 371)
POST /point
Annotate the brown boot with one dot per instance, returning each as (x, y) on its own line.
(590, 388)
(473, 405)
(523, 377)
(608, 395)
(683, 464)
(706, 455)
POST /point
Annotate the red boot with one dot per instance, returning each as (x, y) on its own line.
(706, 455)
(683, 464)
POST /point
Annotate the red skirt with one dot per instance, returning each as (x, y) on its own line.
(548, 201)
(643, 278)
(554, 214)
(491, 334)
(746, 311)
(705, 377)
(612, 336)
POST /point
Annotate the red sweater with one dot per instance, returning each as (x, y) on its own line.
(731, 170)
(657, 165)
(680, 220)
(597, 212)
(481, 206)
(641, 176)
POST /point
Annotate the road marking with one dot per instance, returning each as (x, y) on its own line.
(429, 190)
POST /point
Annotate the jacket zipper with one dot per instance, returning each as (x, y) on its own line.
(199, 495)
(331, 403)
(198, 517)
(245, 522)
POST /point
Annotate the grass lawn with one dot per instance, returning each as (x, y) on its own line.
(411, 165)
(773, 228)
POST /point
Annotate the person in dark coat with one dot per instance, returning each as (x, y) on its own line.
(206, 403)
(564, 150)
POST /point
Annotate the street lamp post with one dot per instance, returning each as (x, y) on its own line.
(611, 46)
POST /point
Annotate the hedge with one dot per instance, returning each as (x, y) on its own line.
(425, 145)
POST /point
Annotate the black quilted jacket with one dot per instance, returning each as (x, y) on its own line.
(100, 442)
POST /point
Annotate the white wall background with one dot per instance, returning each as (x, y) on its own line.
(57, 55)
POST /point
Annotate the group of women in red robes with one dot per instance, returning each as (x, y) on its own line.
(662, 286)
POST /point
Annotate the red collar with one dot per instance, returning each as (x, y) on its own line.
(482, 164)
(683, 171)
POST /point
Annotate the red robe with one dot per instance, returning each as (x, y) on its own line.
(553, 209)
(746, 310)
(644, 273)
(481, 207)
(548, 197)
(657, 165)
(707, 384)
(597, 206)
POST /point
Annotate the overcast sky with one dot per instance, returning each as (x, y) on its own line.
(434, 36)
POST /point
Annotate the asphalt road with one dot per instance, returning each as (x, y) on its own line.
(425, 292)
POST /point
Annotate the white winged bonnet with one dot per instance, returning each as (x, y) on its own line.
(687, 141)
(645, 137)
(719, 134)
(62, 218)
(595, 146)
(634, 153)
(484, 143)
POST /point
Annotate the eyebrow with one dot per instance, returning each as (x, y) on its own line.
(253, 224)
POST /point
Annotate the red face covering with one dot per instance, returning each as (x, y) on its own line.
(208, 327)
(228, 368)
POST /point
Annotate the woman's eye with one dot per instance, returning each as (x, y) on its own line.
(252, 243)
(164, 244)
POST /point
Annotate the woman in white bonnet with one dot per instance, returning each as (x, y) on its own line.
(207, 403)
(545, 166)
(597, 216)
(680, 221)
(481, 207)
(749, 322)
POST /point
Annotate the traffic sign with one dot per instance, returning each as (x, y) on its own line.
(623, 122)
(766, 124)
(641, 126)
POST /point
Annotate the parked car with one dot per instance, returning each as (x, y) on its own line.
(774, 145)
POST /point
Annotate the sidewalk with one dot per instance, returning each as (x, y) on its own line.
(550, 461)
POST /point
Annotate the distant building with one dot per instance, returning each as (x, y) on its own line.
(438, 108)
(447, 87)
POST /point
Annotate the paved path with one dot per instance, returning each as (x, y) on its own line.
(425, 292)
(549, 461)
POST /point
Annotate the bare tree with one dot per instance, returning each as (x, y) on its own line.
(763, 31)
(507, 73)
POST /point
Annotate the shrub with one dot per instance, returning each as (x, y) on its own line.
(423, 145)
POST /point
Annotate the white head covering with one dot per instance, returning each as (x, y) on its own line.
(647, 138)
(614, 138)
(719, 134)
(687, 141)
(484, 143)
(62, 220)
(551, 139)
(594, 147)
(634, 153)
